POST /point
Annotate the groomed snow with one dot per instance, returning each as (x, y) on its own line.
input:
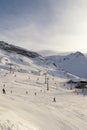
(21, 111)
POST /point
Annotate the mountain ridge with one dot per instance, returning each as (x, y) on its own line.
(19, 50)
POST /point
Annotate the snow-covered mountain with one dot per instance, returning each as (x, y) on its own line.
(75, 63)
(18, 58)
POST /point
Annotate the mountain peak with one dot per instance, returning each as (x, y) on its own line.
(77, 54)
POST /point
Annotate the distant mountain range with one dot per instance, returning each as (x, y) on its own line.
(74, 63)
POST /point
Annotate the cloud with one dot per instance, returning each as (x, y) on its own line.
(55, 25)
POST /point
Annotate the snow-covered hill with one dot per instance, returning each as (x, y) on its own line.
(19, 59)
(75, 63)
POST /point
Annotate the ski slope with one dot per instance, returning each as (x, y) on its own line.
(21, 111)
(28, 105)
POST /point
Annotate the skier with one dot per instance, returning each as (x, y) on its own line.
(54, 99)
(4, 92)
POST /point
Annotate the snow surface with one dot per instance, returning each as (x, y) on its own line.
(27, 105)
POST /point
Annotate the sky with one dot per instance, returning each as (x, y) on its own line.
(58, 25)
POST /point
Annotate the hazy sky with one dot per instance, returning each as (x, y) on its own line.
(59, 25)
